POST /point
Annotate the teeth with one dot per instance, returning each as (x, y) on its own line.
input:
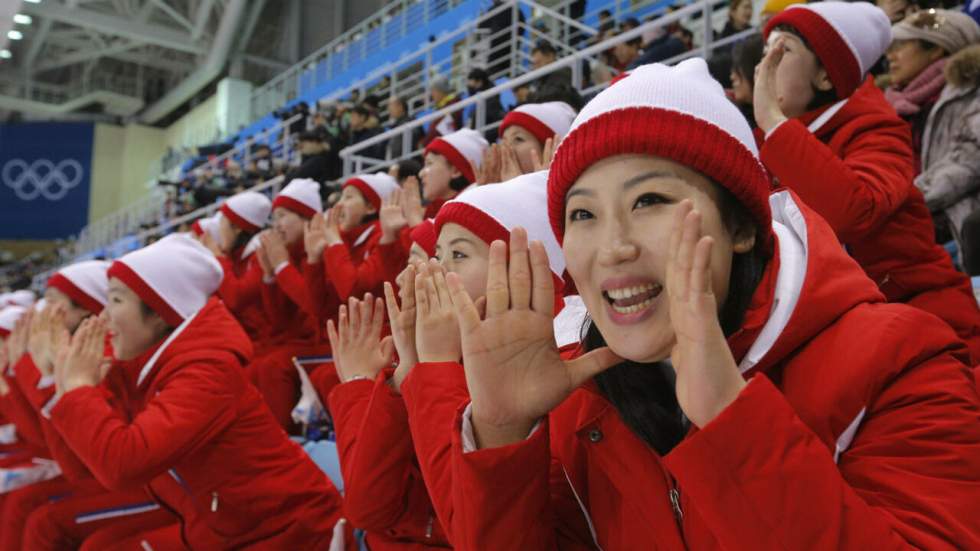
(634, 308)
(629, 292)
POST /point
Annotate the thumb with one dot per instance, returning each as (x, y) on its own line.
(589, 365)
(388, 350)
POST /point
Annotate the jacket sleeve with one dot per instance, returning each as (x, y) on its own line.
(350, 279)
(239, 292)
(383, 490)
(19, 411)
(856, 193)
(293, 285)
(957, 174)
(321, 290)
(29, 380)
(274, 304)
(194, 405)
(71, 466)
(909, 479)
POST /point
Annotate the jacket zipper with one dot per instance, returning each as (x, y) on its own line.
(214, 502)
(675, 503)
(428, 528)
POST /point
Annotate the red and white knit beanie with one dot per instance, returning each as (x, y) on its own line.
(542, 120)
(301, 196)
(248, 210)
(22, 297)
(461, 148)
(374, 187)
(847, 37)
(425, 236)
(491, 212)
(8, 319)
(208, 225)
(85, 283)
(676, 112)
(175, 276)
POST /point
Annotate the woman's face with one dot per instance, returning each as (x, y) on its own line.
(741, 88)
(461, 252)
(524, 145)
(896, 10)
(228, 234)
(74, 314)
(618, 219)
(353, 208)
(436, 175)
(131, 331)
(798, 74)
(907, 58)
(741, 14)
(288, 225)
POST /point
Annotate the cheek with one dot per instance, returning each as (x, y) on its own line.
(474, 275)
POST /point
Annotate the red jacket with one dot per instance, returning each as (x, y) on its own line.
(858, 430)
(17, 409)
(186, 423)
(357, 266)
(241, 290)
(292, 309)
(384, 493)
(856, 170)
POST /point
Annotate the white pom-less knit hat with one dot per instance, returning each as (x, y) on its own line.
(491, 212)
(676, 112)
(461, 148)
(208, 225)
(542, 120)
(301, 196)
(248, 210)
(374, 187)
(175, 276)
(847, 37)
(8, 319)
(85, 283)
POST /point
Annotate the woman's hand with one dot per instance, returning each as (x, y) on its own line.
(765, 97)
(402, 321)
(708, 380)
(392, 217)
(211, 245)
(358, 349)
(412, 202)
(513, 370)
(436, 331)
(332, 227)
(18, 338)
(315, 238)
(81, 361)
(43, 327)
(489, 171)
(543, 161)
(510, 167)
(275, 250)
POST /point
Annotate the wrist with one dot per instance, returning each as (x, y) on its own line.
(771, 121)
(496, 435)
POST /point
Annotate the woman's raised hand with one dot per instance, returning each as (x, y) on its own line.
(356, 342)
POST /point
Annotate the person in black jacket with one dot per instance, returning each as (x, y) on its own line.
(478, 81)
(320, 161)
(500, 43)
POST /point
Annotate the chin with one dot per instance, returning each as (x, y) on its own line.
(646, 343)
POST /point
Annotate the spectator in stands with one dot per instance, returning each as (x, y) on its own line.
(542, 55)
(362, 127)
(659, 45)
(934, 62)
(746, 54)
(530, 133)
(499, 60)
(318, 162)
(606, 22)
(897, 10)
(442, 97)
(403, 170)
(854, 164)
(477, 81)
(450, 167)
(398, 115)
(625, 54)
(739, 18)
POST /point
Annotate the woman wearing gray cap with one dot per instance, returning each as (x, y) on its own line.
(934, 64)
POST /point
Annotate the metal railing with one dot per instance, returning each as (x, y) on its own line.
(355, 162)
(347, 50)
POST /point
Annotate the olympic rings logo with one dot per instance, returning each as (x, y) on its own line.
(42, 178)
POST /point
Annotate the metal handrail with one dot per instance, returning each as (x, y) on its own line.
(353, 163)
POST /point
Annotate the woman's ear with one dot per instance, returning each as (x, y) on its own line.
(744, 239)
(454, 172)
(821, 81)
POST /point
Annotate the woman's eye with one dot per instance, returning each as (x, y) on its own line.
(580, 214)
(458, 255)
(648, 199)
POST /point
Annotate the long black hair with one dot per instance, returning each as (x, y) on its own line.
(643, 393)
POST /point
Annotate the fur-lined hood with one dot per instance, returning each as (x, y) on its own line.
(963, 68)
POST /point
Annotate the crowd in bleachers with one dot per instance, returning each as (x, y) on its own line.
(710, 306)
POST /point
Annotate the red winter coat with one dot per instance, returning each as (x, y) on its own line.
(384, 493)
(858, 430)
(17, 409)
(187, 424)
(357, 266)
(856, 170)
(293, 310)
(241, 290)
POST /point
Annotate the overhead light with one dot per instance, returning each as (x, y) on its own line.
(33, 1)
(22, 19)
(5, 54)
(15, 35)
